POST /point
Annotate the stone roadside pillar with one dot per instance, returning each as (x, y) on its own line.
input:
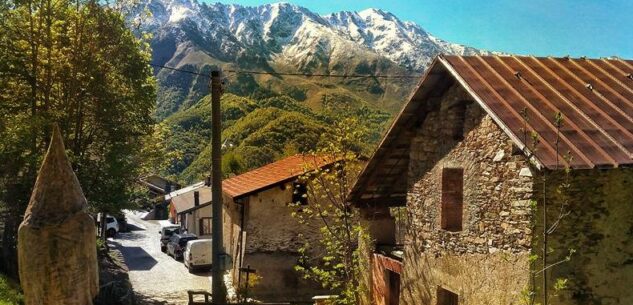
(57, 239)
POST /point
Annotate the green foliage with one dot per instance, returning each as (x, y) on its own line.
(9, 292)
(75, 63)
(335, 261)
(256, 132)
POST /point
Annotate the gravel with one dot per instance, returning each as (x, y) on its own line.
(156, 277)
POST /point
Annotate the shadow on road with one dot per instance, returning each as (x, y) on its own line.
(140, 260)
(136, 258)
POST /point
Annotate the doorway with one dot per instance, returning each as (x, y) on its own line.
(393, 288)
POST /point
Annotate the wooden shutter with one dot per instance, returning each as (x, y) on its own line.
(452, 199)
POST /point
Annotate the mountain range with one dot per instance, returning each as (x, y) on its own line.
(278, 38)
(286, 38)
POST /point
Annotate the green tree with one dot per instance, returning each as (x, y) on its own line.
(334, 260)
(75, 63)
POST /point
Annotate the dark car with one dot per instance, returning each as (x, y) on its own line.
(177, 243)
(166, 233)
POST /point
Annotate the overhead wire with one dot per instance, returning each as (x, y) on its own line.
(383, 76)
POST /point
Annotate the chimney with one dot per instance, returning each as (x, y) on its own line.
(196, 198)
(207, 181)
(168, 187)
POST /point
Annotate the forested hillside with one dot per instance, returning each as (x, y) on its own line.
(274, 105)
(256, 131)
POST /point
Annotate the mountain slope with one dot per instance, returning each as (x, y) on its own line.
(268, 116)
(256, 132)
(284, 37)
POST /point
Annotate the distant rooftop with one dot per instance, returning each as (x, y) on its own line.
(272, 174)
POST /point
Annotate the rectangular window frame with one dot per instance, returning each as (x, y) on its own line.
(452, 199)
(205, 226)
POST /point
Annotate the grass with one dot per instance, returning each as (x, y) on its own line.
(9, 292)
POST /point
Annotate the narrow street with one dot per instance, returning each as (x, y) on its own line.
(154, 274)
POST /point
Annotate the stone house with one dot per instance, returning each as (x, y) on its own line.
(260, 232)
(489, 179)
(191, 208)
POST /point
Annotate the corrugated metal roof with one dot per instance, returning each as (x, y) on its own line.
(594, 96)
(272, 174)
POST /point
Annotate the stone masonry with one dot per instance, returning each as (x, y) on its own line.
(487, 261)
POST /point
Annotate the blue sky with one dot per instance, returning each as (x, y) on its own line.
(592, 28)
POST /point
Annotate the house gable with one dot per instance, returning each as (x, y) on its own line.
(522, 95)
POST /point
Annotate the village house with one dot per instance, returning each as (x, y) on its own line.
(157, 188)
(191, 208)
(478, 158)
(260, 231)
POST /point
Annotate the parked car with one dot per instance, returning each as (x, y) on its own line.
(112, 226)
(177, 243)
(198, 254)
(166, 231)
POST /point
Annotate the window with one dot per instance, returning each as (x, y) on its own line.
(452, 199)
(446, 297)
(205, 226)
(299, 193)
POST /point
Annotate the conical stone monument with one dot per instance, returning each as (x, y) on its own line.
(56, 240)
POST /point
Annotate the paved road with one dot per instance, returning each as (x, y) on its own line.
(153, 273)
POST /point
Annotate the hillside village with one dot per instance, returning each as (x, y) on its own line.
(182, 152)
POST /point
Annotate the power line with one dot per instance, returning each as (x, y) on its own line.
(294, 74)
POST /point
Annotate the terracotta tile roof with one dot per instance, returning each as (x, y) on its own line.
(594, 96)
(272, 174)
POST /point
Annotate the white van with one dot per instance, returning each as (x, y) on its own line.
(198, 254)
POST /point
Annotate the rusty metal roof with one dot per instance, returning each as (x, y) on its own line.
(272, 174)
(594, 96)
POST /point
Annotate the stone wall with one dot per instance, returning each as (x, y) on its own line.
(599, 227)
(487, 261)
(272, 244)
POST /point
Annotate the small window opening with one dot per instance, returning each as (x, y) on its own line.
(205, 226)
(300, 193)
(446, 297)
(452, 199)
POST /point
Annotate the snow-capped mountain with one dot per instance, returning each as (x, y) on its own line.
(405, 43)
(293, 34)
(283, 36)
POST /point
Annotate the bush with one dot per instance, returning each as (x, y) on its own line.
(9, 292)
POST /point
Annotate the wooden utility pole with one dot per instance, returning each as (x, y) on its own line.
(217, 287)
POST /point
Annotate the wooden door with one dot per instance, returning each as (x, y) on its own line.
(394, 288)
